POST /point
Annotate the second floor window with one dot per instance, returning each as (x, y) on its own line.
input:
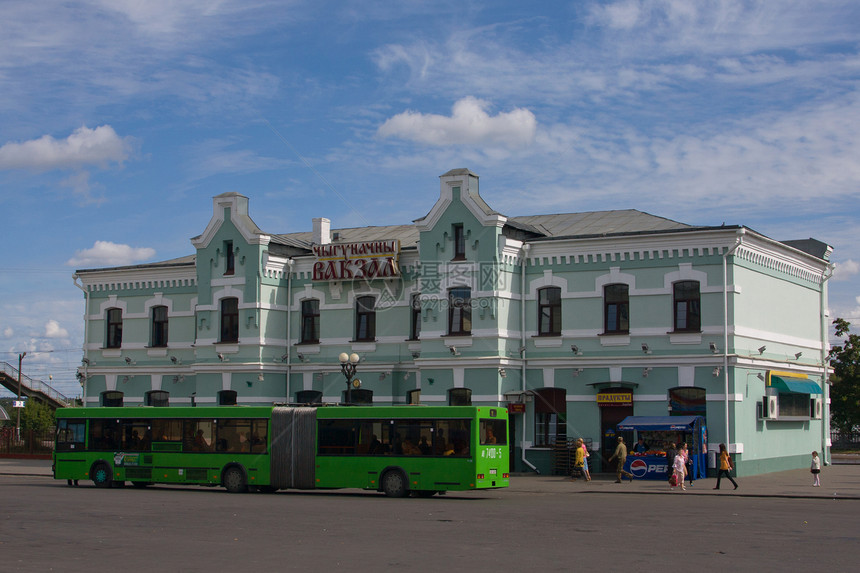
(460, 310)
(113, 335)
(365, 318)
(310, 320)
(549, 311)
(459, 242)
(616, 305)
(159, 326)
(230, 320)
(229, 258)
(688, 314)
(415, 322)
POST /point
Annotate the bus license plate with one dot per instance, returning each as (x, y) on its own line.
(492, 472)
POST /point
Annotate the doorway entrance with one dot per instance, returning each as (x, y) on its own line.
(615, 405)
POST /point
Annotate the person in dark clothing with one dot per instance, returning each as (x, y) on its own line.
(670, 459)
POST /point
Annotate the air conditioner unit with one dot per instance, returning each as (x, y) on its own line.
(769, 407)
(817, 407)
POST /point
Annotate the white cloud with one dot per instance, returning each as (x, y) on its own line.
(84, 146)
(8, 332)
(54, 330)
(105, 253)
(469, 123)
(845, 270)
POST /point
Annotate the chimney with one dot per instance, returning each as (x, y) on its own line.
(322, 231)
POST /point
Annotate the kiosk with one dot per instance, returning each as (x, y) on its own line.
(658, 432)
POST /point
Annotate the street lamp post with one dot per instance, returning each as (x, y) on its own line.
(20, 360)
(348, 362)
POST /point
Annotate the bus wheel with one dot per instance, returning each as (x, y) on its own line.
(100, 475)
(423, 493)
(234, 480)
(393, 484)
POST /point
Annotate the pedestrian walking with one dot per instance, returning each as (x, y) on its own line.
(679, 468)
(815, 468)
(726, 467)
(578, 460)
(621, 455)
(585, 455)
(688, 463)
(670, 461)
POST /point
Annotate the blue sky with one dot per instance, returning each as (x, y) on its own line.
(120, 120)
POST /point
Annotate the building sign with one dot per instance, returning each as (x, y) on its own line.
(368, 260)
(614, 399)
(515, 408)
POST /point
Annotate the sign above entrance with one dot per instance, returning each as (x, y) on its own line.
(614, 399)
(367, 260)
(514, 408)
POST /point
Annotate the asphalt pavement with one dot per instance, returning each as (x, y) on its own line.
(838, 481)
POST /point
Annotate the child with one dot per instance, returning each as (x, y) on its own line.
(815, 468)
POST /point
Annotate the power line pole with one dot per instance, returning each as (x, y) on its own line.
(20, 360)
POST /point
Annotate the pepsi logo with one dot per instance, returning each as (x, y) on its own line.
(638, 468)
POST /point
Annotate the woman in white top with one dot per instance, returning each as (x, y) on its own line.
(815, 468)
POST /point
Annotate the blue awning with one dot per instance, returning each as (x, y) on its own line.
(789, 385)
(654, 423)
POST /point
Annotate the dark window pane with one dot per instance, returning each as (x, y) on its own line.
(113, 338)
(310, 320)
(230, 320)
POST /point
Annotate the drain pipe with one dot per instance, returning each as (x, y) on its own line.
(523, 260)
(86, 362)
(737, 244)
(289, 323)
(825, 396)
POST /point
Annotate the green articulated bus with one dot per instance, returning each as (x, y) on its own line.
(398, 450)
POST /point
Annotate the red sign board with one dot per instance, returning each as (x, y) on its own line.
(516, 408)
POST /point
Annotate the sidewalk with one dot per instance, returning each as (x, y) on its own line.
(840, 481)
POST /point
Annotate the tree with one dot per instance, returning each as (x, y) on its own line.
(845, 380)
(37, 416)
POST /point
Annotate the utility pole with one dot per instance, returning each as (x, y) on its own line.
(20, 359)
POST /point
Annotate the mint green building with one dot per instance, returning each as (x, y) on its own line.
(574, 321)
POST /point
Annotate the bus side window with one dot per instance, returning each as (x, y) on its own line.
(70, 435)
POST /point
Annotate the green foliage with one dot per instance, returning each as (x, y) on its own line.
(37, 416)
(845, 380)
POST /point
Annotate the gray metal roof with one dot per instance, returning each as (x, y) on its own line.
(408, 235)
(599, 223)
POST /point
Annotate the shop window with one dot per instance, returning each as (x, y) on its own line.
(459, 242)
(229, 258)
(550, 416)
(113, 334)
(415, 321)
(159, 326)
(687, 401)
(227, 397)
(310, 321)
(687, 302)
(159, 398)
(459, 397)
(616, 305)
(794, 405)
(365, 319)
(549, 311)
(309, 397)
(112, 398)
(413, 397)
(460, 311)
(230, 320)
